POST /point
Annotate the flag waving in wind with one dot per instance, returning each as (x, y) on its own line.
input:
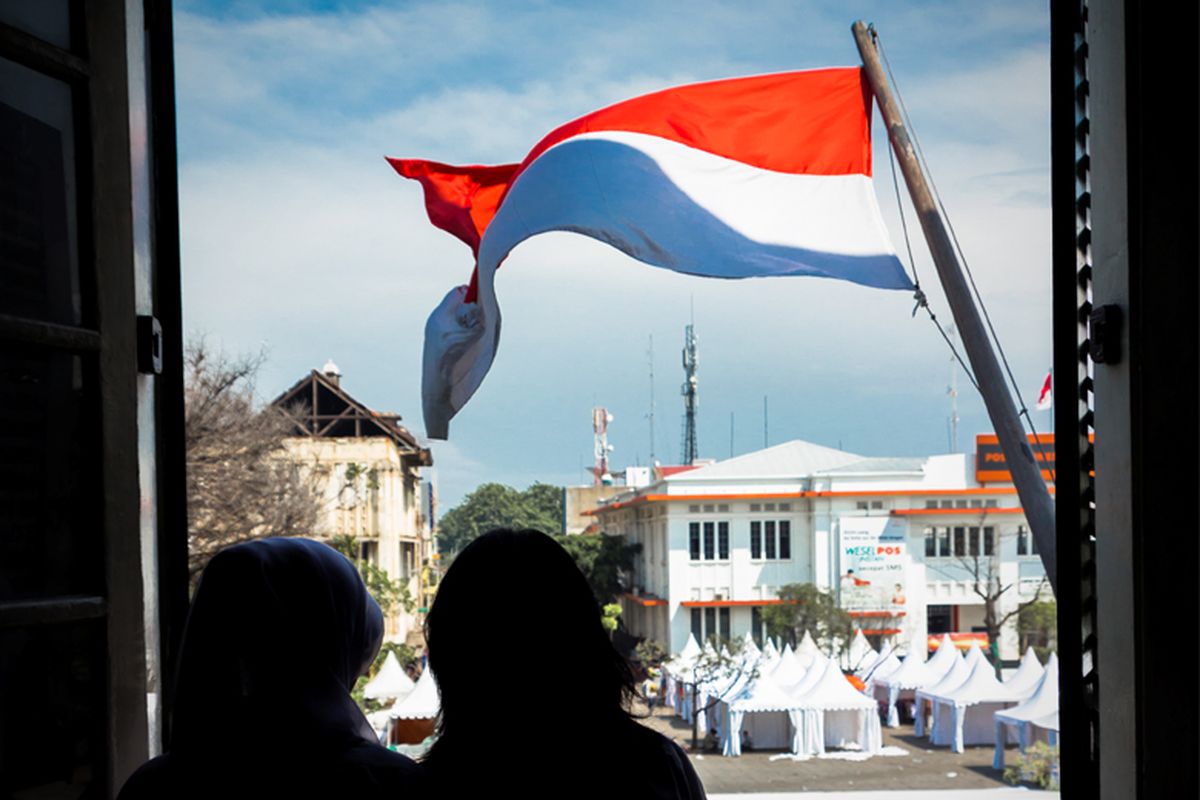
(747, 177)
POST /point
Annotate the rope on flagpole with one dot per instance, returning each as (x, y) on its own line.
(1024, 410)
(919, 294)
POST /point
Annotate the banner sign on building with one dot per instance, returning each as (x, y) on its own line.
(992, 467)
(873, 559)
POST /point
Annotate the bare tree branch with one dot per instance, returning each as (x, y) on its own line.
(241, 484)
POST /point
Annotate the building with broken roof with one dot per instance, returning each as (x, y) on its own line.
(373, 491)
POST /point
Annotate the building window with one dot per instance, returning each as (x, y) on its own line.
(930, 542)
(960, 541)
(976, 504)
(960, 503)
(723, 508)
(1022, 541)
(693, 509)
(973, 541)
(756, 626)
(755, 507)
(943, 541)
(755, 539)
(785, 539)
(708, 508)
(694, 541)
(768, 506)
(710, 622)
(724, 617)
(697, 625)
(710, 551)
(723, 540)
(877, 504)
(769, 535)
(931, 503)
(785, 506)
(947, 504)
(989, 541)
(990, 504)
(862, 505)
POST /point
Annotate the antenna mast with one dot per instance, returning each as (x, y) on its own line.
(650, 358)
(691, 399)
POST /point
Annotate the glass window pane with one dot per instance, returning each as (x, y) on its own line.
(722, 540)
(785, 539)
(710, 622)
(39, 266)
(930, 543)
(694, 541)
(697, 629)
(973, 540)
(756, 539)
(52, 681)
(944, 542)
(1022, 541)
(709, 546)
(989, 541)
(769, 536)
(960, 541)
(756, 626)
(48, 20)
(50, 528)
(725, 623)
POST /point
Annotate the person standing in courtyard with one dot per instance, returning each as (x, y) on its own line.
(519, 591)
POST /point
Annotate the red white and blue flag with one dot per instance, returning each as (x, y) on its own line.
(747, 177)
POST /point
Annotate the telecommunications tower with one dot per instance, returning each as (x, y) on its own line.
(601, 447)
(691, 400)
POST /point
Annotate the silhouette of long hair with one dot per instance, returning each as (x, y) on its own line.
(515, 631)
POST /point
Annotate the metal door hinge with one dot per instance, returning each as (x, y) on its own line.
(149, 345)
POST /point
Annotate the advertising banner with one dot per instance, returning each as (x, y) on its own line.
(873, 561)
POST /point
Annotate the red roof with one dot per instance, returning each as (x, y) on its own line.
(666, 472)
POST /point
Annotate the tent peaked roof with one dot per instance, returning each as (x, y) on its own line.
(762, 694)
(1042, 703)
(884, 666)
(958, 672)
(913, 673)
(749, 647)
(423, 702)
(807, 650)
(981, 686)
(769, 650)
(860, 649)
(788, 671)
(691, 650)
(943, 659)
(1027, 676)
(832, 692)
(811, 676)
(390, 681)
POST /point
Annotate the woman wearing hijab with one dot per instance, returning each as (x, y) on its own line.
(277, 635)
(535, 699)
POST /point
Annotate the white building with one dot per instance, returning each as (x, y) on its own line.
(900, 540)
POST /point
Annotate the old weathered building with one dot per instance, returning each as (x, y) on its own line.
(369, 467)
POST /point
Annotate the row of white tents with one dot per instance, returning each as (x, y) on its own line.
(795, 699)
(800, 700)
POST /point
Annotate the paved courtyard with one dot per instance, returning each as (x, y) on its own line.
(921, 768)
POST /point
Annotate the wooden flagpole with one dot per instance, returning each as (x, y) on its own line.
(1026, 472)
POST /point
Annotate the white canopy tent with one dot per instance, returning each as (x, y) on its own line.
(1027, 677)
(422, 702)
(798, 687)
(886, 664)
(891, 689)
(834, 713)
(1039, 711)
(390, 682)
(749, 648)
(964, 715)
(769, 650)
(787, 671)
(762, 709)
(960, 668)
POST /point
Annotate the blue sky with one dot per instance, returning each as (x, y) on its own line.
(298, 238)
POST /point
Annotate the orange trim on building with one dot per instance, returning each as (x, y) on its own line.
(920, 512)
(729, 603)
(692, 498)
(645, 601)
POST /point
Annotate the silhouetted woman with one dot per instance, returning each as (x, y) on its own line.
(535, 698)
(278, 632)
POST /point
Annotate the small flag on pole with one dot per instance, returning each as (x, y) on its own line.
(1046, 396)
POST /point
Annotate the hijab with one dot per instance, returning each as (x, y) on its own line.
(278, 633)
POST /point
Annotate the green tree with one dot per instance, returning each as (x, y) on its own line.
(1037, 625)
(389, 594)
(807, 608)
(495, 505)
(602, 560)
